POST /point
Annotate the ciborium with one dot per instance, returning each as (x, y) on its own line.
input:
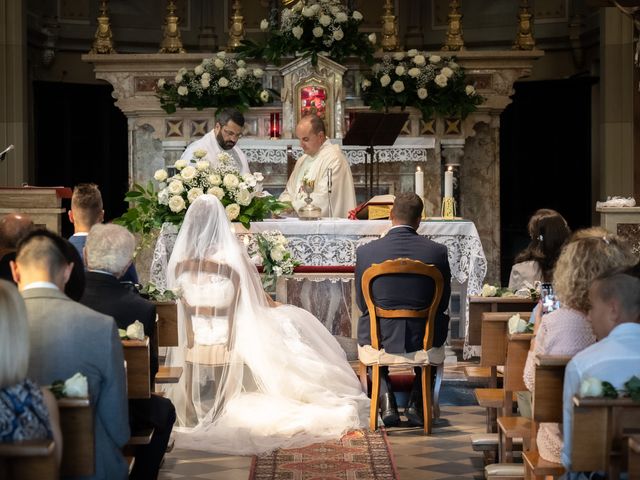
(309, 211)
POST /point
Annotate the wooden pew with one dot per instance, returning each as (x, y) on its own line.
(76, 423)
(600, 433)
(479, 305)
(136, 354)
(167, 323)
(28, 460)
(634, 457)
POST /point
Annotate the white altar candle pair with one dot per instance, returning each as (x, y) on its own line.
(420, 182)
(448, 183)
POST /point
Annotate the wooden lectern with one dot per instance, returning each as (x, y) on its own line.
(42, 204)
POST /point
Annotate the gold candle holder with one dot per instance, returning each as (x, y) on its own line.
(236, 29)
(171, 42)
(454, 40)
(103, 39)
(389, 40)
(448, 208)
(524, 37)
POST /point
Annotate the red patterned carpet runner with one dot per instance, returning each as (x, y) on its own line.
(358, 455)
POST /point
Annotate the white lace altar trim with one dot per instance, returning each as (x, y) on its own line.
(355, 155)
(617, 202)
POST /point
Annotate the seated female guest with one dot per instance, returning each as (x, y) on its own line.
(566, 331)
(27, 412)
(548, 231)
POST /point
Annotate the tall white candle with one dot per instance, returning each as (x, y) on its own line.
(420, 182)
(448, 183)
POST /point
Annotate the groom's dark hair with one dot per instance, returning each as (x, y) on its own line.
(223, 117)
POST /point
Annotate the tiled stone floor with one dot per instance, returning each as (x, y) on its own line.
(446, 454)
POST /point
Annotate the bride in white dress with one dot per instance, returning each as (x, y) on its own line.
(258, 375)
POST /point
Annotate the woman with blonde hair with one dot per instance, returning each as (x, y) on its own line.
(27, 412)
(589, 254)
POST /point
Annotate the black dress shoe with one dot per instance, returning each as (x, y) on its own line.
(413, 412)
(389, 410)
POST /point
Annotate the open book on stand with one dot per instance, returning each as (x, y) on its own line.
(377, 208)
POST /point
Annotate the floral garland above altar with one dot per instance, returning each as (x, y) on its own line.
(433, 84)
(312, 28)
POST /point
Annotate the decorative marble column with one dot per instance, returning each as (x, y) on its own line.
(14, 116)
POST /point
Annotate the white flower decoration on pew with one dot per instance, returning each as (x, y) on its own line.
(517, 324)
(76, 386)
(135, 331)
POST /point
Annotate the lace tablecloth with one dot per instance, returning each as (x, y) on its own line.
(334, 242)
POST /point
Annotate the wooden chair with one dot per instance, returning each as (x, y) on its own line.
(76, 423)
(28, 460)
(137, 356)
(372, 356)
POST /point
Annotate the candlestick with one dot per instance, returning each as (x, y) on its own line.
(448, 183)
(419, 182)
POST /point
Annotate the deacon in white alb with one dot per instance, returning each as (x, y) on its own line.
(325, 164)
(223, 138)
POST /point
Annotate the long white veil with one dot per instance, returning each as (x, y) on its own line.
(271, 377)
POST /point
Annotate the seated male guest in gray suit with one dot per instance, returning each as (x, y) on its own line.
(66, 338)
(410, 292)
(108, 253)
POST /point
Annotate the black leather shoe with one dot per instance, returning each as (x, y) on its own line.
(389, 410)
(413, 412)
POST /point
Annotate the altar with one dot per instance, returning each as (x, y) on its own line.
(333, 243)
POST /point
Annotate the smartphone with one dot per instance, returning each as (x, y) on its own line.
(549, 300)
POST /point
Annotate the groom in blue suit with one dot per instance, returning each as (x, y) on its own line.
(410, 292)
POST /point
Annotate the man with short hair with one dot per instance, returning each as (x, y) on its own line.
(67, 338)
(222, 139)
(615, 357)
(324, 164)
(108, 253)
(410, 292)
(87, 211)
(13, 227)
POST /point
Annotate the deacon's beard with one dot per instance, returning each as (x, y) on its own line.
(225, 145)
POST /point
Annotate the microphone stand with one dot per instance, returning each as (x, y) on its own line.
(5, 151)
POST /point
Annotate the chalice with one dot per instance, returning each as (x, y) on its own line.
(309, 211)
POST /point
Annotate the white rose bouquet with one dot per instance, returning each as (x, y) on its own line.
(76, 386)
(313, 27)
(241, 195)
(270, 250)
(433, 84)
(221, 81)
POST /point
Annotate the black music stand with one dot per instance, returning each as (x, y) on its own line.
(372, 128)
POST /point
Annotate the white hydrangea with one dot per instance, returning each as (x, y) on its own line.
(223, 82)
(243, 197)
(163, 197)
(193, 194)
(188, 173)
(385, 80)
(338, 34)
(217, 192)
(214, 179)
(435, 59)
(258, 72)
(357, 16)
(278, 253)
(176, 203)
(400, 70)
(230, 181)
(175, 187)
(372, 38)
(160, 175)
(264, 25)
(264, 96)
(202, 165)
(469, 90)
(218, 63)
(422, 93)
(297, 32)
(232, 210)
(440, 80)
(341, 17)
(182, 90)
(199, 70)
(419, 60)
(398, 56)
(398, 86)
(180, 164)
(365, 84)
(447, 72)
(325, 20)
(161, 83)
(412, 53)
(414, 72)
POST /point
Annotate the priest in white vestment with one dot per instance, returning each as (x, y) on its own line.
(325, 165)
(223, 138)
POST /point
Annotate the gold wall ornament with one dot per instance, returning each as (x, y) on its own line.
(524, 37)
(103, 39)
(389, 21)
(236, 29)
(171, 41)
(454, 40)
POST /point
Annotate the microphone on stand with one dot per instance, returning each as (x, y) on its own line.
(5, 151)
(329, 186)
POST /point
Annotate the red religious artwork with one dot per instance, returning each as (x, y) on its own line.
(313, 100)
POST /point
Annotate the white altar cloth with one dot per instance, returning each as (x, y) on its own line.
(334, 242)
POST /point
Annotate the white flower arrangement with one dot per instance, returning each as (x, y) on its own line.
(270, 249)
(219, 82)
(76, 386)
(433, 84)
